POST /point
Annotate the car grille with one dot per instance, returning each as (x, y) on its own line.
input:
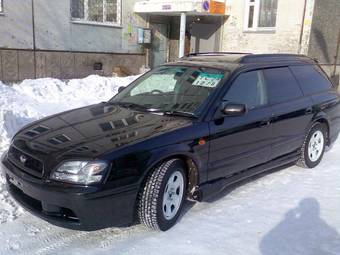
(26, 162)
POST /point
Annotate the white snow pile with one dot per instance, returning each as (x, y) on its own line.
(23, 103)
(30, 100)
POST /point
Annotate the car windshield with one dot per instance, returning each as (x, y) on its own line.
(172, 89)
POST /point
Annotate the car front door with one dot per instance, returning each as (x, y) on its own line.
(241, 142)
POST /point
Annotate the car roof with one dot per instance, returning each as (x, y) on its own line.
(233, 60)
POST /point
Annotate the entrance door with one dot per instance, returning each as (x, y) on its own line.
(203, 38)
(159, 47)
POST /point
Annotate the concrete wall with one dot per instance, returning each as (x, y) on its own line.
(64, 49)
(56, 31)
(324, 34)
(285, 38)
(16, 25)
(18, 65)
(325, 31)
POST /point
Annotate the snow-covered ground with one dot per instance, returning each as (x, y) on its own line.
(292, 211)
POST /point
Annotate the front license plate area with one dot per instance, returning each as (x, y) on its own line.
(15, 182)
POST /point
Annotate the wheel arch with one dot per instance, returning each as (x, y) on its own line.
(192, 168)
(323, 119)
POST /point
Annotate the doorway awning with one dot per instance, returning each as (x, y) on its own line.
(176, 7)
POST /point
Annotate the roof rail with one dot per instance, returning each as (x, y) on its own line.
(218, 53)
(273, 57)
(248, 58)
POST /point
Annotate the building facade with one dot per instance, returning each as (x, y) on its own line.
(182, 26)
(68, 38)
(310, 27)
(74, 38)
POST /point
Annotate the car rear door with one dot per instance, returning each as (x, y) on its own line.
(241, 142)
(292, 111)
(315, 84)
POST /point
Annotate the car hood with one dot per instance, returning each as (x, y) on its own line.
(91, 131)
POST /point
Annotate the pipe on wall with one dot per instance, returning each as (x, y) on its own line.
(34, 44)
(302, 26)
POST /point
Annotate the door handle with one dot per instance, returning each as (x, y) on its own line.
(265, 123)
(309, 110)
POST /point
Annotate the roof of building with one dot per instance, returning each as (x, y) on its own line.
(228, 60)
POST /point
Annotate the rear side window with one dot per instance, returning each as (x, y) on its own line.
(249, 89)
(282, 85)
(311, 80)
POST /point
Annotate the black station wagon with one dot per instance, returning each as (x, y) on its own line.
(184, 130)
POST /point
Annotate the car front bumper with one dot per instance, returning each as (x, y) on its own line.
(70, 206)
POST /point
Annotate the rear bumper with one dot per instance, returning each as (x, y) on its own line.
(69, 206)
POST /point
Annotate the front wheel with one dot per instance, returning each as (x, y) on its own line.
(163, 195)
(313, 148)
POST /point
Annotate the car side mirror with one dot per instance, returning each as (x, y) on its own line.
(120, 89)
(233, 109)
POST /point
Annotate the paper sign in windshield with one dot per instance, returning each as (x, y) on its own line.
(208, 80)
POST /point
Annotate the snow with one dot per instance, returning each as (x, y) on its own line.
(291, 211)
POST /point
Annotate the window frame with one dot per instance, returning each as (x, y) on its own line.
(85, 20)
(270, 100)
(256, 18)
(316, 69)
(267, 104)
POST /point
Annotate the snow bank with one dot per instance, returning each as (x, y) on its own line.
(23, 103)
(31, 100)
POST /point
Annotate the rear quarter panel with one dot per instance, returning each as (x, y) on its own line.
(327, 105)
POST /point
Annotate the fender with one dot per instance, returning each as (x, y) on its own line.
(163, 153)
(320, 117)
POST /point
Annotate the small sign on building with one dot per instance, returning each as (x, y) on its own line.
(144, 36)
(214, 6)
(217, 7)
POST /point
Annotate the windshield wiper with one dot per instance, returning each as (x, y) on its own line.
(154, 110)
(135, 106)
(180, 113)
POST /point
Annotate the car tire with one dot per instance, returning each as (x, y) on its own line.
(313, 148)
(162, 197)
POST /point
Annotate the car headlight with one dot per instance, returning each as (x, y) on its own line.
(80, 172)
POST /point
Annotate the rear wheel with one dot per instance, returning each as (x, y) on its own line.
(313, 148)
(163, 195)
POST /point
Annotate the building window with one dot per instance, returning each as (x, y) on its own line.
(96, 11)
(260, 15)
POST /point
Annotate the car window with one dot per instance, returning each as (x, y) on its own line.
(163, 81)
(282, 85)
(172, 88)
(249, 89)
(311, 79)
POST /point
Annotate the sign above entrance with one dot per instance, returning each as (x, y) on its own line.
(175, 7)
(166, 7)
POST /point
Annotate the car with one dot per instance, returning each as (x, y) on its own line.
(184, 130)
